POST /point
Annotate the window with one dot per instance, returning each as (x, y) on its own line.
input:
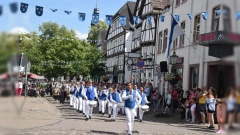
(197, 28)
(181, 42)
(215, 18)
(160, 41)
(165, 40)
(149, 74)
(177, 3)
(193, 77)
(226, 19)
(175, 43)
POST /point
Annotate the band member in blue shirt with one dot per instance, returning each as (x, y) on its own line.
(110, 90)
(143, 102)
(80, 97)
(103, 99)
(72, 92)
(115, 99)
(130, 97)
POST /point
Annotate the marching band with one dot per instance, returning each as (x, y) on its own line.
(84, 97)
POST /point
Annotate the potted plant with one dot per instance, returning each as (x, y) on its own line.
(173, 78)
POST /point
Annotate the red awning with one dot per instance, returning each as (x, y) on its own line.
(36, 77)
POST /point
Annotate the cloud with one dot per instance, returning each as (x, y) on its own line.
(81, 35)
(19, 30)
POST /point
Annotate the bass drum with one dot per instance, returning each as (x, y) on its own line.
(120, 105)
(93, 103)
(145, 108)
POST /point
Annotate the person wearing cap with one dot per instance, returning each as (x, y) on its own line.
(103, 99)
(89, 94)
(130, 97)
(115, 99)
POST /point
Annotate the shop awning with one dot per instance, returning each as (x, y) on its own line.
(4, 76)
(34, 76)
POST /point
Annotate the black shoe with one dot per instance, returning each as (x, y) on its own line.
(140, 120)
(86, 119)
(114, 119)
(90, 117)
(109, 116)
(80, 111)
(211, 127)
(76, 110)
(83, 113)
(102, 113)
(99, 112)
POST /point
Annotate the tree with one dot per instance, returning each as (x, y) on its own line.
(94, 30)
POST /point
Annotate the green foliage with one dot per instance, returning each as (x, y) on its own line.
(94, 30)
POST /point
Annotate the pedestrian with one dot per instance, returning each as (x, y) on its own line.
(155, 96)
(130, 96)
(20, 87)
(103, 99)
(115, 99)
(211, 102)
(143, 102)
(193, 109)
(221, 116)
(168, 103)
(231, 107)
(202, 104)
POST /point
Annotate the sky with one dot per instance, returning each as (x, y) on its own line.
(29, 21)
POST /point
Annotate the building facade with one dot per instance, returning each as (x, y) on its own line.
(220, 70)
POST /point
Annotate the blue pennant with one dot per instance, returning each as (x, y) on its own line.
(1, 10)
(237, 16)
(162, 18)
(68, 12)
(23, 7)
(190, 16)
(14, 7)
(95, 18)
(81, 17)
(122, 20)
(217, 11)
(39, 11)
(54, 10)
(109, 19)
(135, 18)
(204, 15)
(149, 20)
(177, 18)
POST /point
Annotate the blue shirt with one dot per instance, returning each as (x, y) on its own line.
(147, 91)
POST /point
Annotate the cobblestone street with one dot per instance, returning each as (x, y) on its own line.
(47, 116)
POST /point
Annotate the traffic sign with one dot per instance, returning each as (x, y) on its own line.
(140, 64)
(157, 70)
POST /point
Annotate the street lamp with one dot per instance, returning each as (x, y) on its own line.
(173, 62)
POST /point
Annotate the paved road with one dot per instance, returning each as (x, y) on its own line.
(45, 116)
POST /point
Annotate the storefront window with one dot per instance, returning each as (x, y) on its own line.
(194, 77)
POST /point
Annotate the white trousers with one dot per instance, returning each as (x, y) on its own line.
(141, 112)
(123, 110)
(71, 99)
(130, 118)
(115, 110)
(83, 106)
(88, 109)
(80, 103)
(74, 102)
(77, 103)
(109, 108)
(102, 105)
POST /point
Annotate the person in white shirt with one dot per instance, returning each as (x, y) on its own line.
(143, 102)
(89, 93)
(130, 97)
(193, 110)
(110, 90)
(103, 99)
(115, 99)
(72, 92)
(20, 86)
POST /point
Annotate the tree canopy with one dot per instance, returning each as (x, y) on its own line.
(94, 30)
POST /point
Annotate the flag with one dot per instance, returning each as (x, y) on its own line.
(95, 18)
(135, 18)
(177, 18)
(204, 15)
(109, 19)
(190, 16)
(23, 7)
(39, 11)
(122, 20)
(176, 31)
(162, 18)
(14, 7)
(81, 16)
(237, 15)
(217, 11)
(149, 20)
(68, 12)
(0, 10)
(54, 10)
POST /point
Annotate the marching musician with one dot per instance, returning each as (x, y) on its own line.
(130, 96)
(64, 88)
(110, 90)
(89, 93)
(136, 89)
(103, 99)
(72, 92)
(75, 98)
(144, 101)
(115, 99)
(80, 97)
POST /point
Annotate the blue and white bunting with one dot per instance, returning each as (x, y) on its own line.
(122, 20)
(190, 16)
(109, 19)
(149, 20)
(162, 17)
(23, 7)
(54, 10)
(177, 18)
(14, 7)
(68, 12)
(135, 19)
(204, 15)
(39, 11)
(1, 10)
(81, 17)
(95, 18)
(237, 16)
(217, 11)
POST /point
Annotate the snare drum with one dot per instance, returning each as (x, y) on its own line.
(93, 103)
(145, 108)
(120, 105)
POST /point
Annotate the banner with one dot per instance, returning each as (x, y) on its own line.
(162, 18)
(39, 11)
(177, 18)
(95, 18)
(109, 19)
(68, 12)
(122, 20)
(14, 7)
(135, 19)
(81, 17)
(149, 20)
(54, 10)
(190, 16)
(204, 15)
(23, 7)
